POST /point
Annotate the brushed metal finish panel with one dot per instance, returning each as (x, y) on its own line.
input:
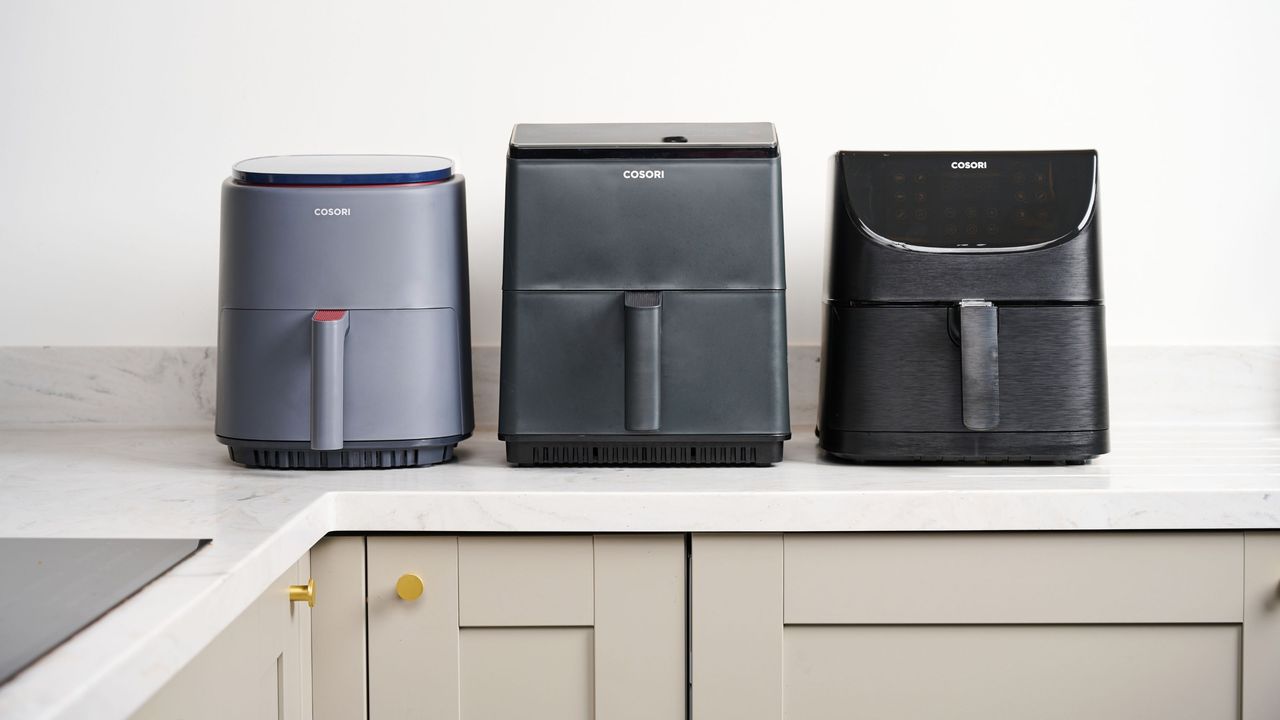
(896, 369)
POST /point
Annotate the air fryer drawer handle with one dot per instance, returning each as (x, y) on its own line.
(328, 347)
(643, 359)
(980, 364)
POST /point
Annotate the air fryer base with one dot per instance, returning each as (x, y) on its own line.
(1071, 447)
(355, 456)
(756, 450)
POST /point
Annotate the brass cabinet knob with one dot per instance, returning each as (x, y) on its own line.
(303, 593)
(409, 587)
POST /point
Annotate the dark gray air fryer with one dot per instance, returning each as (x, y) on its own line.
(644, 312)
(964, 317)
(343, 325)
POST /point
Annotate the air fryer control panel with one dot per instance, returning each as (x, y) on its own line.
(971, 202)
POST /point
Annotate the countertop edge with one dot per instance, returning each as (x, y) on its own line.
(206, 604)
(158, 655)
(263, 521)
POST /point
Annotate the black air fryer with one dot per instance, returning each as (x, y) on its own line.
(643, 303)
(964, 317)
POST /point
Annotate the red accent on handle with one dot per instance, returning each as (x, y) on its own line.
(328, 315)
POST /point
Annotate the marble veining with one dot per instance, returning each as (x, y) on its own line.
(138, 385)
(175, 386)
(116, 481)
(117, 442)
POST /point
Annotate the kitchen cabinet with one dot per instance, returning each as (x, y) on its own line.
(497, 627)
(985, 625)
(792, 626)
(258, 668)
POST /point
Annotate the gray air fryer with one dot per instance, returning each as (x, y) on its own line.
(343, 326)
(643, 304)
(964, 316)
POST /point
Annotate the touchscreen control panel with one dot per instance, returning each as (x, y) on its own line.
(971, 201)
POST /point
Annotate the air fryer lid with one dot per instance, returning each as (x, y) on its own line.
(342, 170)
(640, 140)
(971, 202)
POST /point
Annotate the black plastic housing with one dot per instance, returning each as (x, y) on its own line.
(644, 296)
(893, 376)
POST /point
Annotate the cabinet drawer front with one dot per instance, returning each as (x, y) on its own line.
(526, 581)
(959, 578)
(1100, 672)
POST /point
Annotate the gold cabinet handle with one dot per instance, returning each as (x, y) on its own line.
(409, 587)
(303, 593)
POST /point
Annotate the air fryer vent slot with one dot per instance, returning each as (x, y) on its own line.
(675, 453)
(340, 459)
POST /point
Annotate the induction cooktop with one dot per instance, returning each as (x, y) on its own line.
(51, 588)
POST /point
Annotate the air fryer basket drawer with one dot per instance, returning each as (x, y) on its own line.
(268, 353)
(722, 363)
(898, 369)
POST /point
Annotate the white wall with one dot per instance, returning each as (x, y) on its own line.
(119, 120)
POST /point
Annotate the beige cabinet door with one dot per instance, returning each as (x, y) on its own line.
(1106, 626)
(530, 627)
(1261, 684)
(259, 668)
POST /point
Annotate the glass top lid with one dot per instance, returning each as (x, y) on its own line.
(971, 202)
(342, 169)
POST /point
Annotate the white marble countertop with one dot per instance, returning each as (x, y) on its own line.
(104, 481)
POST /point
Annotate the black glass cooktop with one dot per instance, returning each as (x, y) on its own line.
(51, 588)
